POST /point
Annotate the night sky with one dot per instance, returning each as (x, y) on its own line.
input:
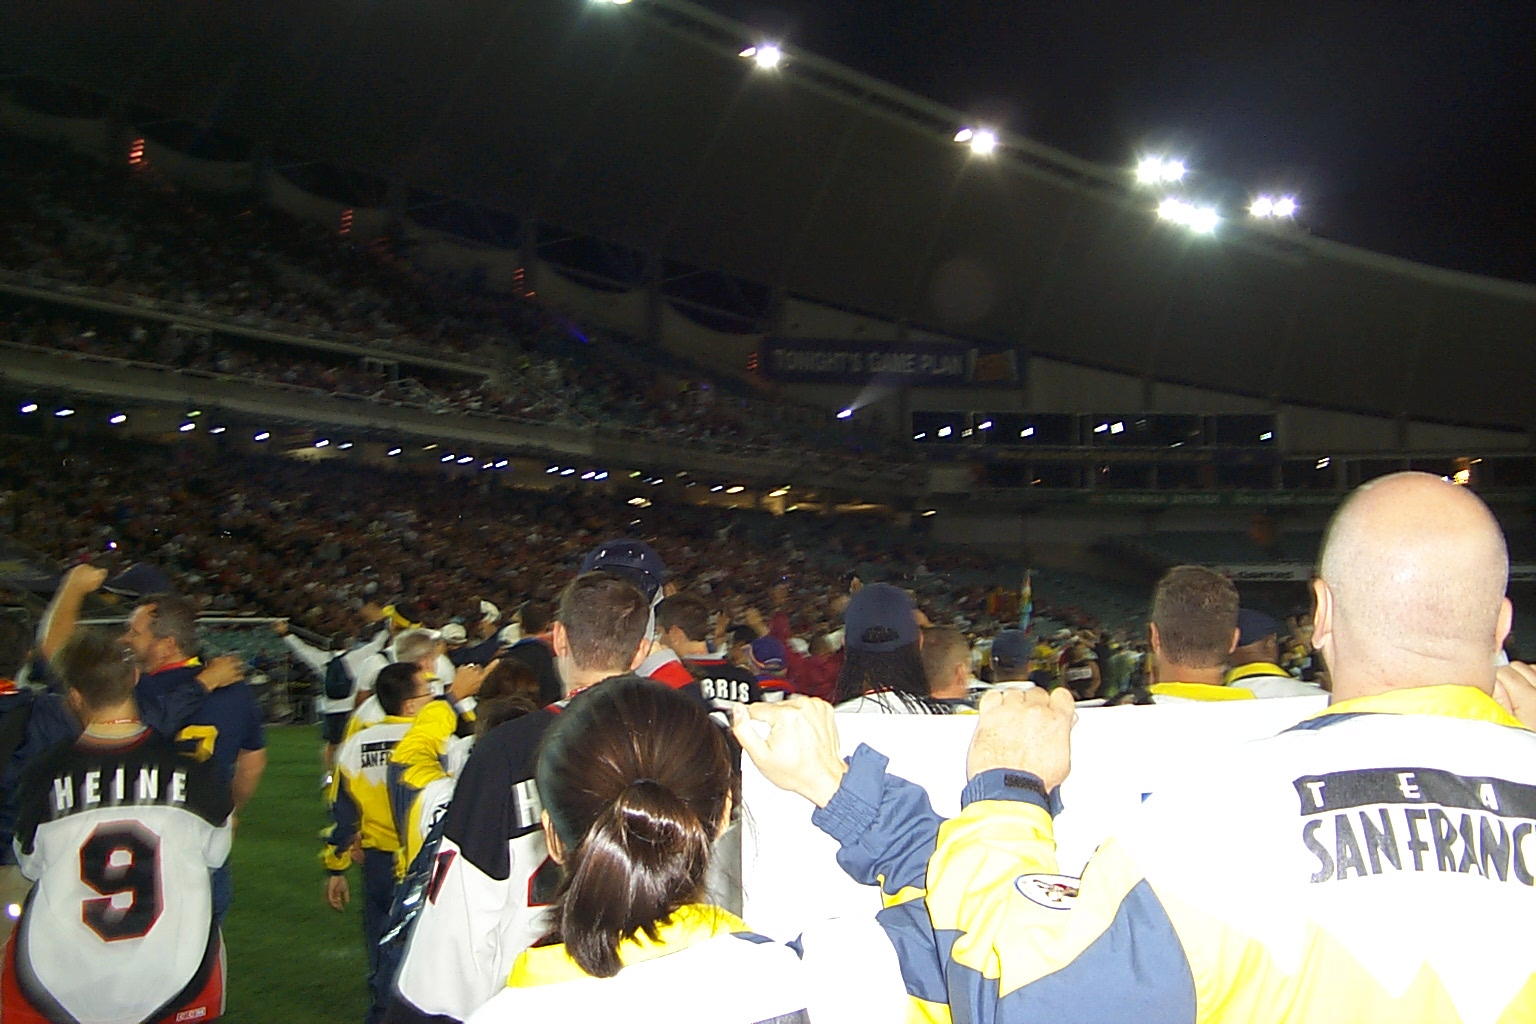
(1403, 126)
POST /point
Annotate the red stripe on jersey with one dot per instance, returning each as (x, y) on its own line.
(674, 673)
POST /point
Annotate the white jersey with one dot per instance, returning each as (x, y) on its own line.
(119, 837)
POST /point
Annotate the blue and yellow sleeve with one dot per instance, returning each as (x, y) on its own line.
(345, 820)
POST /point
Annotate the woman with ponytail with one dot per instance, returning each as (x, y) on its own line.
(637, 783)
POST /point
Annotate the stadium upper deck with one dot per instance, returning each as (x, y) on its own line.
(639, 124)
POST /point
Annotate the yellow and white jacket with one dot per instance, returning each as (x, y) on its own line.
(1373, 863)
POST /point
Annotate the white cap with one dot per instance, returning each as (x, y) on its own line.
(489, 612)
(454, 633)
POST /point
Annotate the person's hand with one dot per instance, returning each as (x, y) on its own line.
(280, 627)
(800, 751)
(1026, 730)
(337, 893)
(1514, 687)
(85, 579)
(225, 670)
(468, 680)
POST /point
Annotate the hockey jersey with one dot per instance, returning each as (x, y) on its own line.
(120, 837)
(1367, 864)
(491, 886)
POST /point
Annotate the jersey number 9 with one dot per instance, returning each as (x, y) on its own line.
(122, 857)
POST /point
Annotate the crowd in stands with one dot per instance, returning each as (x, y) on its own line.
(71, 225)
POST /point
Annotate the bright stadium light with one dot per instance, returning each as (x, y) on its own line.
(465, 460)
(1202, 220)
(502, 464)
(946, 431)
(117, 418)
(601, 476)
(845, 414)
(735, 489)
(930, 512)
(392, 452)
(983, 141)
(344, 445)
(552, 469)
(717, 488)
(1027, 432)
(28, 408)
(265, 435)
(221, 429)
(568, 471)
(322, 443)
(765, 55)
(187, 426)
(984, 425)
(1157, 170)
(1273, 207)
(65, 411)
(919, 437)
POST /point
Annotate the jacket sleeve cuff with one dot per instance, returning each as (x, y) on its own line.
(1009, 784)
(853, 808)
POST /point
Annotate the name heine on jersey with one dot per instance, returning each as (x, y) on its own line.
(1364, 823)
(120, 785)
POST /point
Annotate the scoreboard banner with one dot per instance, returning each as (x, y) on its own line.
(827, 361)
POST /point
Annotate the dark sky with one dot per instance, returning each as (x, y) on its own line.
(1404, 126)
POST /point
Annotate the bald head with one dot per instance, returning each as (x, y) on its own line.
(1413, 572)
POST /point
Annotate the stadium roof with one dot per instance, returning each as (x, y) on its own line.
(640, 124)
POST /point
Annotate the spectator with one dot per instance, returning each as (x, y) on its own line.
(947, 667)
(152, 950)
(638, 783)
(882, 670)
(1336, 912)
(363, 813)
(1254, 660)
(1192, 633)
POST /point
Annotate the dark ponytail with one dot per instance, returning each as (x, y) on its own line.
(636, 779)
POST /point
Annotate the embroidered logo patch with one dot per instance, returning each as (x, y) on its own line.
(1054, 891)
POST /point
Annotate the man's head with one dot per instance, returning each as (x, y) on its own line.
(1410, 588)
(536, 615)
(1011, 651)
(682, 622)
(1194, 619)
(1258, 638)
(417, 647)
(98, 670)
(162, 630)
(946, 661)
(602, 628)
(402, 689)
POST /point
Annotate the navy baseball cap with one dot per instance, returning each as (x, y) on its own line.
(1253, 626)
(879, 618)
(1011, 646)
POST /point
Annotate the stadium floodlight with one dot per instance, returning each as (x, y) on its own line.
(765, 55)
(193, 414)
(568, 471)
(984, 425)
(1117, 427)
(65, 411)
(1101, 428)
(946, 431)
(1268, 435)
(1157, 170)
(502, 464)
(717, 488)
(919, 437)
(1202, 220)
(734, 489)
(429, 447)
(930, 512)
(392, 452)
(344, 445)
(220, 429)
(446, 458)
(778, 493)
(601, 476)
(322, 443)
(28, 408)
(187, 426)
(465, 460)
(1027, 432)
(117, 418)
(553, 469)
(983, 141)
(845, 414)
(265, 435)
(1273, 207)
(1323, 463)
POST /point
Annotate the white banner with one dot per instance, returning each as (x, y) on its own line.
(1119, 756)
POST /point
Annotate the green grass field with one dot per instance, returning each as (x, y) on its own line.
(292, 959)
